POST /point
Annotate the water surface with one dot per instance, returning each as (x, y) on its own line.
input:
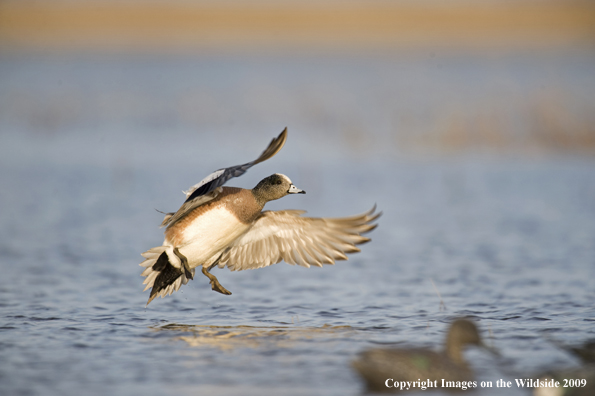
(506, 239)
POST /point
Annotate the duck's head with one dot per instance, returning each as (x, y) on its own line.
(274, 187)
(463, 332)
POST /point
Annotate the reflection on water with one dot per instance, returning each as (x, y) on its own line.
(232, 337)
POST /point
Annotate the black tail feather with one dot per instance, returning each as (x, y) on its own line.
(168, 274)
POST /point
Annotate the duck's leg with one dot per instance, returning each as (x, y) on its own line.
(215, 285)
(185, 264)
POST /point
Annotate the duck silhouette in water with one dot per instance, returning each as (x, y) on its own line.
(381, 368)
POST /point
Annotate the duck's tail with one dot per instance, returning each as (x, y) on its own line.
(163, 272)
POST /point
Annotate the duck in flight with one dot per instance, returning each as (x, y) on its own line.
(227, 227)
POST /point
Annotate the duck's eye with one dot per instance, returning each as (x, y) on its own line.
(278, 182)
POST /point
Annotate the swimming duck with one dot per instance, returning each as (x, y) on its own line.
(378, 366)
(227, 227)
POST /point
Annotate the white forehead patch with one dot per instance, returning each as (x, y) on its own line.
(284, 177)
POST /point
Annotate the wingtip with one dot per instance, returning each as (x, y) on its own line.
(372, 212)
(273, 148)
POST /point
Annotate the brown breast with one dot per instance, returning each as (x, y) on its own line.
(240, 202)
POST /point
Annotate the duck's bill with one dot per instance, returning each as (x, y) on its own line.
(294, 190)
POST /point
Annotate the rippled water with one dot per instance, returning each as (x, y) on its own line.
(508, 241)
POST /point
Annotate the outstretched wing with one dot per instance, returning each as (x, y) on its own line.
(208, 188)
(285, 235)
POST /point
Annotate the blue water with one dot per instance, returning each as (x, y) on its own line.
(90, 147)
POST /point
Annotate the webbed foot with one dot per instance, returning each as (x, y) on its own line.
(215, 285)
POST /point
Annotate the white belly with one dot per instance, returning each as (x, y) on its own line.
(206, 237)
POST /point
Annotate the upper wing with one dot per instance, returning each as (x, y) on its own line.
(208, 188)
(305, 241)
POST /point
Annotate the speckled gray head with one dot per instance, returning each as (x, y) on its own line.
(274, 187)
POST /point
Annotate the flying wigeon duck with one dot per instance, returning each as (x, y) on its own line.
(227, 227)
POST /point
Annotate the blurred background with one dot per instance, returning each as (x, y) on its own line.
(470, 123)
(390, 77)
